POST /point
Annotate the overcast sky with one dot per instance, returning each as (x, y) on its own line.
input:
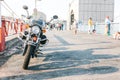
(49, 7)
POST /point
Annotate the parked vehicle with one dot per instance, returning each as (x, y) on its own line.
(33, 38)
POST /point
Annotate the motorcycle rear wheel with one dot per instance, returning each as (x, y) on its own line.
(29, 52)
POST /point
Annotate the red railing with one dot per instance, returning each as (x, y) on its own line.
(10, 26)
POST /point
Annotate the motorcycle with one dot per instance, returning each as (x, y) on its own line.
(33, 38)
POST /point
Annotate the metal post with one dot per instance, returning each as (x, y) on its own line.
(0, 13)
(35, 3)
(35, 9)
(2, 35)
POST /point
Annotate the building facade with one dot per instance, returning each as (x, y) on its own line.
(82, 10)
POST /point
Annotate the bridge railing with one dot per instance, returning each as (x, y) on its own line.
(9, 27)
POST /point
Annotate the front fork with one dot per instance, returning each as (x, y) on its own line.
(36, 49)
(25, 49)
(33, 53)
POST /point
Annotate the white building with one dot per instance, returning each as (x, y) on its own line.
(82, 10)
(117, 11)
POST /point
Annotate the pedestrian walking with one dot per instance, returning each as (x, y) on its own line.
(107, 25)
(62, 26)
(76, 28)
(90, 25)
(94, 28)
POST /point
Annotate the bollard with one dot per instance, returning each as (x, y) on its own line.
(2, 37)
(21, 29)
(16, 26)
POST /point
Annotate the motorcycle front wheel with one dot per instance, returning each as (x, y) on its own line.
(29, 52)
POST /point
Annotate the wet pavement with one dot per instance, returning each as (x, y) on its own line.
(67, 57)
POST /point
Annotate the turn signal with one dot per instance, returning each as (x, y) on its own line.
(44, 30)
(34, 38)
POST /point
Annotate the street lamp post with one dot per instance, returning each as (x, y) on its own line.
(2, 35)
(35, 9)
(36, 3)
(0, 13)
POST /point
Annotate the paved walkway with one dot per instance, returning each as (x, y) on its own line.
(92, 57)
(69, 57)
(10, 37)
(9, 42)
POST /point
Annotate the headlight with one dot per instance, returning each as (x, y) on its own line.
(35, 29)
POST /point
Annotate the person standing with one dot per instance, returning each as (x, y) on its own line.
(90, 25)
(107, 25)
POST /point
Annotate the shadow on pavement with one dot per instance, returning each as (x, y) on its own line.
(10, 50)
(67, 59)
(67, 63)
(66, 72)
(3, 59)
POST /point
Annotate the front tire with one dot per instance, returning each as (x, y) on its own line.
(29, 52)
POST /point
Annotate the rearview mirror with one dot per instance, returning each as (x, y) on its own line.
(25, 7)
(55, 17)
